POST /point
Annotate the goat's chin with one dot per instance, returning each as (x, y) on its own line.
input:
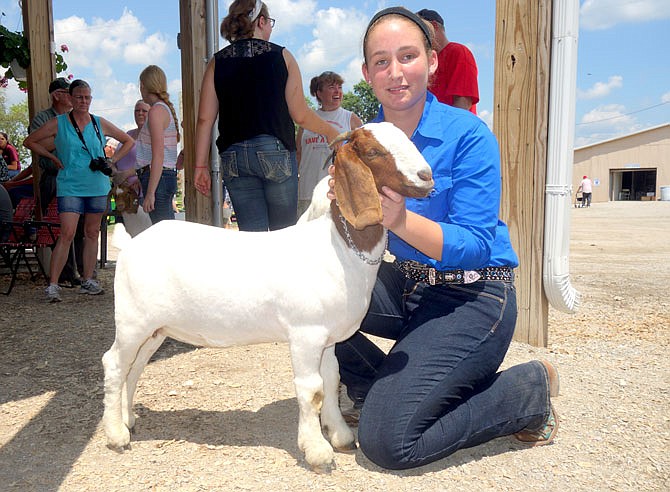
(412, 191)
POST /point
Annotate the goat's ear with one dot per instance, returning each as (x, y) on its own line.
(355, 190)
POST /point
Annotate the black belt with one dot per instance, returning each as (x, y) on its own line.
(424, 273)
(144, 169)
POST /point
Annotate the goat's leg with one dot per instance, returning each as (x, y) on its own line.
(306, 359)
(138, 365)
(116, 363)
(332, 422)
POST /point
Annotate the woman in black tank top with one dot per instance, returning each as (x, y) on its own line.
(255, 89)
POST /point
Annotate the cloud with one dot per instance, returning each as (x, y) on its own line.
(487, 117)
(603, 14)
(289, 14)
(601, 89)
(147, 51)
(605, 122)
(108, 53)
(337, 36)
(665, 97)
(101, 38)
(607, 112)
(13, 95)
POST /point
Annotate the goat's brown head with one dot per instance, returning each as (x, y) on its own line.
(376, 155)
(125, 198)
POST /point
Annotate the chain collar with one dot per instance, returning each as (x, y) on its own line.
(359, 253)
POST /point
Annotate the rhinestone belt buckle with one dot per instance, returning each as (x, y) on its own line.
(470, 276)
(431, 276)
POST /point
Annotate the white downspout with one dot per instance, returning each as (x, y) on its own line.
(560, 152)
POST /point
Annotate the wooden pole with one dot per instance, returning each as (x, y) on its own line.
(523, 44)
(38, 27)
(193, 63)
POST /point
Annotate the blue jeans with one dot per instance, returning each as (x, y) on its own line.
(261, 177)
(167, 187)
(437, 391)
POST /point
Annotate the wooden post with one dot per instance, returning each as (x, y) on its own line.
(38, 27)
(193, 63)
(523, 44)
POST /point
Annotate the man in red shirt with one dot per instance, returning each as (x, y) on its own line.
(455, 81)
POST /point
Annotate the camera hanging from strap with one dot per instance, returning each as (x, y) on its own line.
(81, 136)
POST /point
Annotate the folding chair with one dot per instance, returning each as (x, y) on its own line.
(22, 239)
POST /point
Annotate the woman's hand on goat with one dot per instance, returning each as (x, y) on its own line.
(393, 208)
(331, 183)
(203, 182)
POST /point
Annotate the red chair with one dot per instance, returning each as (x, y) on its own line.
(22, 239)
(48, 229)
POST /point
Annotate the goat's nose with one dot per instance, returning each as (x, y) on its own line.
(425, 175)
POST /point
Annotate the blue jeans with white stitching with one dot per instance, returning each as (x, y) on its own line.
(438, 389)
(261, 177)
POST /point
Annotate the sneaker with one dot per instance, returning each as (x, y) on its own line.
(53, 293)
(91, 287)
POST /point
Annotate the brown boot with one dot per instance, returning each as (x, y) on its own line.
(547, 433)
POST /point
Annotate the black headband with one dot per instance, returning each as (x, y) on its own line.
(405, 13)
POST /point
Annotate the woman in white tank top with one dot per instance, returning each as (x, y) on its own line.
(313, 152)
(157, 146)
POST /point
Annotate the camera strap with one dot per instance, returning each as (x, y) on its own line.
(81, 136)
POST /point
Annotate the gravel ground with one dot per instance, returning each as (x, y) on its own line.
(221, 420)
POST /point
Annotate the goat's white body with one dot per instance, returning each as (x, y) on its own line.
(238, 288)
(214, 287)
(304, 285)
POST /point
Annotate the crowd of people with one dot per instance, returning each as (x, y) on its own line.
(78, 164)
(439, 388)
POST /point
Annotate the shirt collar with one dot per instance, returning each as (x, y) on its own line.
(428, 126)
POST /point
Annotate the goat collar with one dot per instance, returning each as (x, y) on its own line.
(354, 248)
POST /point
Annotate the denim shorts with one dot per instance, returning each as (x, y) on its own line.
(82, 204)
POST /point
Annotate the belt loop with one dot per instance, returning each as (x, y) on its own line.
(431, 276)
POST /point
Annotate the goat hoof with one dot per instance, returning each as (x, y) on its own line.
(323, 469)
(347, 448)
(320, 458)
(119, 449)
(118, 438)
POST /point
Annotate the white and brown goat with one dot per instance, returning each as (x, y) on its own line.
(225, 288)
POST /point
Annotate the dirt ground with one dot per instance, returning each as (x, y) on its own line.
(221, 420)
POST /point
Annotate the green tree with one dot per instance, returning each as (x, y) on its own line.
(361, 101)
(14, 122)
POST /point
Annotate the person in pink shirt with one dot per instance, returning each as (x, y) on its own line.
(586, 187)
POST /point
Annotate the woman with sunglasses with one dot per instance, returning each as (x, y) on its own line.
(75, 142)
(255, 88)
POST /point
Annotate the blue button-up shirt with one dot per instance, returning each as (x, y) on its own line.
(464, 157)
